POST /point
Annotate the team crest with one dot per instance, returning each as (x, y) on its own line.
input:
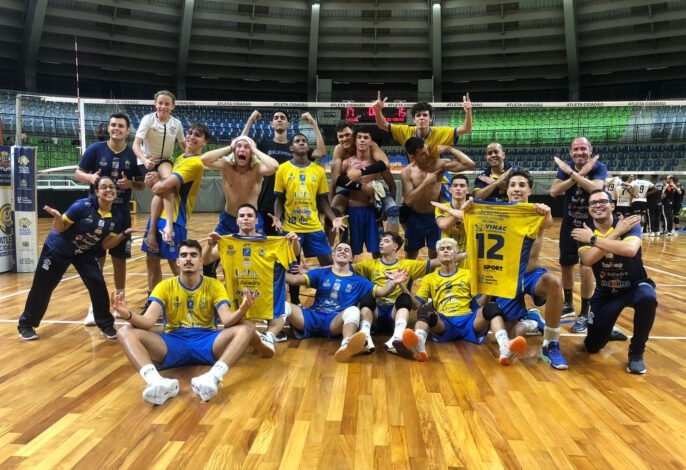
(24, 160)
(246, 251)
(177, 302)
(262, 252)
(6, 219)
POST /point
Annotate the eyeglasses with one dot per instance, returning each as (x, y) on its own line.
(106, 187)
(599, 202)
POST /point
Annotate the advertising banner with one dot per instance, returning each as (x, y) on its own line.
(25, 215)
(6, 220)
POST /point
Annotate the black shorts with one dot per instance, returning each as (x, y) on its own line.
(569, 248)
(123, 249)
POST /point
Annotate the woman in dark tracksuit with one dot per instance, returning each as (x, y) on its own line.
(76, 238)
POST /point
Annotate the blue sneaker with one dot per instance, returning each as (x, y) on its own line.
(552, 354)
(581, 325)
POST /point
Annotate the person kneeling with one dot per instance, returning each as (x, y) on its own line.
(191, 306)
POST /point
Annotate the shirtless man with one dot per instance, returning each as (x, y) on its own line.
(422, 181)
(242, 171)
(364, 227)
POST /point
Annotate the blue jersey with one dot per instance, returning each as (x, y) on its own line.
(89, 226)
(498, 195)
(99, 156)
(576, 198)
(335, 293)
(615, 273)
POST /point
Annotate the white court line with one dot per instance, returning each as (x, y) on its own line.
(80, 322)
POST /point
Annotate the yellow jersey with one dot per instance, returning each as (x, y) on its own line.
(451, 295)
(437, 136)
(499, 240)
(260, 265)
(374, 269)
(189, 306)
(301, 186)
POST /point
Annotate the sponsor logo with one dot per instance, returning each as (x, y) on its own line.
(6, 219)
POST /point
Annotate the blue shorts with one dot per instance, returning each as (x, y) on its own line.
(314, 243)
(515, 309)
(384, 324)
(461, 327)
(189, 346)
(228, 225)
(166, 251)
(364, 229)
(421, 230)
(317, 324)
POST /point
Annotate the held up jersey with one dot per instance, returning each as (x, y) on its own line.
(260, 265)
(499, 240)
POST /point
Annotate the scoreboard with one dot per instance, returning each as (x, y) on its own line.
(398, 115)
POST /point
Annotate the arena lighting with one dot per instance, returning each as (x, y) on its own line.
(210, 78)
(601, 73)
(57, 63)
(110, 69)
(657, 68)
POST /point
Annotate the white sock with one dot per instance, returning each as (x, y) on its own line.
(400, 326)
(422, 337)
(550, 334)
(502, 339)
(345, 341)
(366, 327)
(150, 374)
(218, 370)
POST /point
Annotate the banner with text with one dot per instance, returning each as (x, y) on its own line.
(25, 215)
(6, 220)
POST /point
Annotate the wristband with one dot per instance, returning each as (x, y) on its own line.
(130, 315)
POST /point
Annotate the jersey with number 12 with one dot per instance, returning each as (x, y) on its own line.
(499, 240)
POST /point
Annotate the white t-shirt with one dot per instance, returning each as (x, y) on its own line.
(641, 188)
(158, 137)
(611, 183)
(623, 196)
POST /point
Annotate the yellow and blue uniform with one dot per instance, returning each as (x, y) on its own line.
(456, 232)
(79, 245)
(190, 318)
(452, 299)
(335, 293)
(499, 240)
(375, 269)
(259, 264)
(189, 171)
(437, 136)
(621, 281)
(301, 186)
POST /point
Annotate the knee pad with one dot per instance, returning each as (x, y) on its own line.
(492, 310)
(428, 315)
(286, 311)
(368, 301)
(210, 270)
(351, 315)
(403, 301)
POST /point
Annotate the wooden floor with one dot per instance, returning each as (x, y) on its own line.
(71, 399)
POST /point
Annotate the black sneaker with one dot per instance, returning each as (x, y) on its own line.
(618, 335)
(567, 310)
(281, 337)
(636, 365)
(109, 332)
(26, 333)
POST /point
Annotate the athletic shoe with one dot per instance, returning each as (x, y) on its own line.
(552, 355)
(205, 385)
(265, 345)
(26, 333)
(567, 310)
(400, 349)
(534, 321)
(160, 391)
(515, 348)
(90, 319)
(618, 335)
(109, 332)
(580, 325)
(636, 365)
(414, 345)
(355, 345)
(369, 346)
(389, 345)
(280, 337)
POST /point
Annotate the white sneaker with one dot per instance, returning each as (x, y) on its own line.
(158, 392)
(369, 346)
(205, 385)
(265, 345)
(90, 318)
(388, 345)
(355, 345)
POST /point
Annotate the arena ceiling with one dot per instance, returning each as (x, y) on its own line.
(287, 44)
